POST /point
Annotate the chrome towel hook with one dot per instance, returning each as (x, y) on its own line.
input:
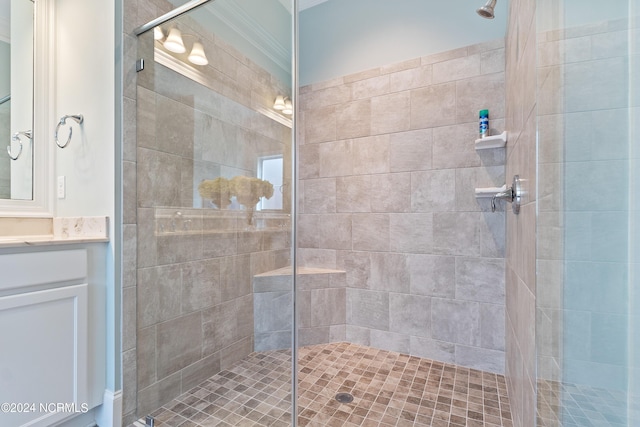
(63, 121)
(16, 137)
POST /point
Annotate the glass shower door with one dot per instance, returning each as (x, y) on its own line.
(586, 302)
(214, 224)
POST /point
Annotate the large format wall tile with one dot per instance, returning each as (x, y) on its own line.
(353, 194)
(410, 314)
(335, 159)
(389, 272)
(371, 232)
(478, 93)
(410, 151)
(354, 119)
(480, 279)
(175, 344)
(455, 321)
(411, 78)
(433, 106)
(374, 86)
(368, 309)
(159, 294)
(433, 191)
(320, 125)
(370, 155)
(390, 113)
(390, 192)
(411, 233)
(401, 168)
(456, 69)
(456, 233)
(432, 275)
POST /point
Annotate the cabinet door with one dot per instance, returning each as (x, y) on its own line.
(43, 356)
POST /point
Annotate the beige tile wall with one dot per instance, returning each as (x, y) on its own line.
(388, 169)
(521, 229)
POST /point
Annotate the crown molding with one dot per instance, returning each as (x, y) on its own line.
(287, 4)
(306, 4)
(253, 32)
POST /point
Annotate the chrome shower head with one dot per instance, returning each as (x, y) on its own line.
(486, 11)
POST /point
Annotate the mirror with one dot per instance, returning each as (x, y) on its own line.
(16, 99)
(28, 29)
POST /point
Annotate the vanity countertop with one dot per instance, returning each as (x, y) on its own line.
(24, 241)
(63, 231)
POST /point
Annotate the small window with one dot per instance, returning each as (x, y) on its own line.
(270, 168)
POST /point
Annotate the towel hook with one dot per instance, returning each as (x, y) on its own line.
(63, 121)
(16, 137)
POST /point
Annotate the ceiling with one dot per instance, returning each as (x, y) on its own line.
(303, 4)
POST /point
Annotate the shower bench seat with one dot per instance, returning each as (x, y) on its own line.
(321, 301)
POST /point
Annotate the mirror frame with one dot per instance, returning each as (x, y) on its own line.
(41, 204)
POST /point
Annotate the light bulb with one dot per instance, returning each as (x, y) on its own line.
(288, 107)
(174, 41)
(279, 103)
(157, 33)
(197, 55)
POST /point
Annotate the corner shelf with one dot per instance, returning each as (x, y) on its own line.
(493, 141)
(489, 191)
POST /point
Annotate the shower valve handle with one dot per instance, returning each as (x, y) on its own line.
(512, 195)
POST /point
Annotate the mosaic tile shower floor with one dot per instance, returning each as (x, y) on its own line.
(575, 405)
(389, 389)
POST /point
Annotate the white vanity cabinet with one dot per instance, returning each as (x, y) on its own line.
(52, 336)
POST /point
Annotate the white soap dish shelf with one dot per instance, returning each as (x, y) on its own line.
(493, 141)
(487, 192)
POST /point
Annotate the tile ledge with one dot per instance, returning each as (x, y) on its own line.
(286, 271)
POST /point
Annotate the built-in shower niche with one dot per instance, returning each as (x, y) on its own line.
(321, 297)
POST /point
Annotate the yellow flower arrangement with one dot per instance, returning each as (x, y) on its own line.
(247, 191)
(217, 190)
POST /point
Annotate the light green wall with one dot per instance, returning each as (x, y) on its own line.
(341, 37)
(5, 71)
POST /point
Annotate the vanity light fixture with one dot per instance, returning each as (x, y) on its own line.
(283, 104)
(174, 41)
(197, 55)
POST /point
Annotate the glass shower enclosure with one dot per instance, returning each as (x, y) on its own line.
(587, 223)
(214, 211)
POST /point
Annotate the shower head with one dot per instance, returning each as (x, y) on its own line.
(486, 11)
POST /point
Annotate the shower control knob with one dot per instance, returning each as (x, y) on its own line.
(512, 195)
